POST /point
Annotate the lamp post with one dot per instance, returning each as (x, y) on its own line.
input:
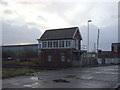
(88, 40)
(88, 35)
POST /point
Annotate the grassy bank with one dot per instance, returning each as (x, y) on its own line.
(18, 63)
(11, 72)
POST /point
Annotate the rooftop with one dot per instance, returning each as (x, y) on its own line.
(118, 44)
(61, 33)
(19, 45)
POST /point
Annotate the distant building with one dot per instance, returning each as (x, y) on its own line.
(17, 48)
(116, 49)
(60, 47)
(18, 52)
(110, 57)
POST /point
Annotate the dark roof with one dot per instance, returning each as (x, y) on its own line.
(106, 54)
(20, 45)
(62, 33)
(115, 44)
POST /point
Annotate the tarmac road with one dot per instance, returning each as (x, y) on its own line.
(79, 77)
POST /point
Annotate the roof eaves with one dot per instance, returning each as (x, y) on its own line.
(75, 32)
(77, 29)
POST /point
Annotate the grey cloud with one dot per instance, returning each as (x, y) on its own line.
(14, 34)
(62, 9)
(58, 7)
(108, 35)
(119, 22)
(92, 34)
(100, 12)
(3, 3)
(24, 3)
(8, 11)
(32, 23)
(42, 18)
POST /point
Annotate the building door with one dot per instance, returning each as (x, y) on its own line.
(76, 44)
(49, 58)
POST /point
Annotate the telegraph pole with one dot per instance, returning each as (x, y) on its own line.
(94, 47)
(98, 42)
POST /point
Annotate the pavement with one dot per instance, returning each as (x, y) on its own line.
(78, 77)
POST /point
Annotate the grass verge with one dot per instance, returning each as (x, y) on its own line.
(18, 63)
(11, 72)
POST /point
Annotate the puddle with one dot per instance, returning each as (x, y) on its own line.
(102, 72)
(109, 70)
(98, 72)
(86, 77)
(61, 80)
(35, 78)
(70, 76)
(77, 78)
(31, 85)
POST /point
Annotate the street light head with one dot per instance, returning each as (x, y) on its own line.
(89, 20)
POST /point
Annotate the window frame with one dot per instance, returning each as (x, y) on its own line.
(62, 58)
(115, 48)
(56, 44)
(49, 58)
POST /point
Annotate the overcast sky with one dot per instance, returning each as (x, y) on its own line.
(24, 21)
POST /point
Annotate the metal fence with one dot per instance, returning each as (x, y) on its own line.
(108, 60)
